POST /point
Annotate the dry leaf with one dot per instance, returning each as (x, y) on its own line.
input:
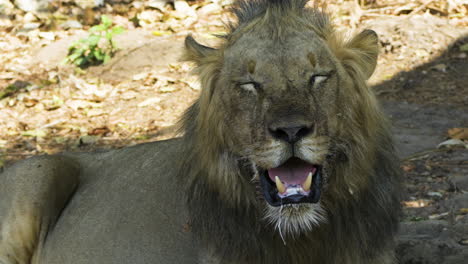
(149, 101)
(417, 203)
(452, 143)
(458, 133)
(99, 131)
(96, 112)
(408, 167)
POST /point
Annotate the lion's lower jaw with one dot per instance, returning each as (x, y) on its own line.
(295, 219)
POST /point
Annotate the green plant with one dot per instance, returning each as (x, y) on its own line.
(97, 48)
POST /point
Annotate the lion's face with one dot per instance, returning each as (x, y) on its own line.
(281, 105)
(278, 103)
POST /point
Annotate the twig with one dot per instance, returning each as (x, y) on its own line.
(421, 153)
(423, 6)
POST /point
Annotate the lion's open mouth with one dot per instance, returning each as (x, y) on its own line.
(293, 182)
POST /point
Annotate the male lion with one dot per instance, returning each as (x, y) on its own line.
(285, 158)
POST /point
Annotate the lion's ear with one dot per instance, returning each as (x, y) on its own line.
(195, 51)
(362, 51)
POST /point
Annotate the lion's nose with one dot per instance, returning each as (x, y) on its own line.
(290, 134)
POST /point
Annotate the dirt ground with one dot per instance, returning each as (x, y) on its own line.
(421, 81)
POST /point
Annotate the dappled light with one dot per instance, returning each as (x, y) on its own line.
(93, 75)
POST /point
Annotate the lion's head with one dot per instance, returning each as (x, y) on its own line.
(285, 122)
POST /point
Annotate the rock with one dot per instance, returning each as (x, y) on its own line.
(184, 9)
(32, 5)
(88, 140)
(147, 18)
(209, 9)
(47, 35)
(158, 4)
(30, 26)
(5, 4)
(71, 24)
(29, 17)
(89, 3)
(460, 182)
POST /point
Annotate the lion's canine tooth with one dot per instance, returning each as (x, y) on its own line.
(279, 185)
(308, 182)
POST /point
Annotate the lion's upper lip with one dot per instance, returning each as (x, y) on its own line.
(295, 181)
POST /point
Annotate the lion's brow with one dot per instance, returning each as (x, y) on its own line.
(312, 59)
(251, 66)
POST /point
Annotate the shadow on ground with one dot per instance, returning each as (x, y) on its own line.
(424, 104)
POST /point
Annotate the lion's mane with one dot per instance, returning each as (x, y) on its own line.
(362, 200)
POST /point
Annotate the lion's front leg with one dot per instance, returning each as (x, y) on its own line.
(34, 192)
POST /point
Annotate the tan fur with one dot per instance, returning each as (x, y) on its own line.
(280, 64)
(226, 126)
(35, 192)
(19, 237)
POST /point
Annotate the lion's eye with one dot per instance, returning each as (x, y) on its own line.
(250, 87)
(317, 79)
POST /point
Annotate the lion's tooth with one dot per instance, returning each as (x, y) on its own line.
(279, 185)
(308, 182)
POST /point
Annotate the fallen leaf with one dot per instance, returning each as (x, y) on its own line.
(99, 131)
(458, 133)
(408, 167)
(95, 112)
(438, 216)
(193, 83)
(39, 133)
(128, 95)
(149, 101)
(452, 143)
(417, 203)
(440, 67)
(47, 35)
(168, 89)
(140, 76)
(183, 9)
(158, 4)
(159, 33)
(30, 102)
(53, 104)
(77, 104)
(437, 194)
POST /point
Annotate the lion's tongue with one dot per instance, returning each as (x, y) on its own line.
(294, 171)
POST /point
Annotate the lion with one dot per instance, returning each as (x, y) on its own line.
(285, 157)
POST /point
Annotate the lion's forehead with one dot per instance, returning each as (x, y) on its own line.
(291, 58)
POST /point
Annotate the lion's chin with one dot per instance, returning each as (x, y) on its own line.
(294, 219)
